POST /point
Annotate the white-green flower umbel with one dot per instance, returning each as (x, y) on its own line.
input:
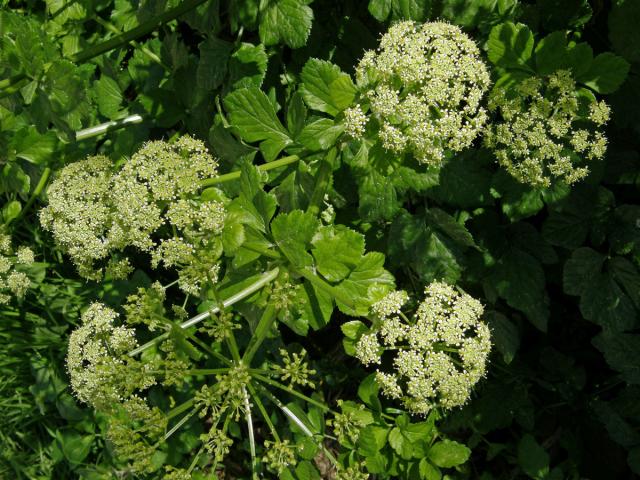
(96, 211)
(13, 282)
(546, 130)
(438, 355)
(423, 87)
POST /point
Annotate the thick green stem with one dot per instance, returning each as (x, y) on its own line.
(180, 408)
(137, 32)
(252, 439)
(262, 330)
(180, 423)
(227, 177)
(236, 297)
(107, 127)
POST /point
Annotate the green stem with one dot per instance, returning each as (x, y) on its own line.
(206, 371)
(263, 412)
(322, 182)
(107, 127)
(252, 439)
(227, 177)
(180, 408)
(236, 297)
(180, 423)
(141, 30)
(293, 392)
(262, 330)
(233, 347)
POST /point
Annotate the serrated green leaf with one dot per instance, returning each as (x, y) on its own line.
(371, 440)
(416, 10)
(532, 458)
(621, 353)
(320, 134)
(247, 66)
(286, 21)
(366, 284)
(428, 471)
(252, 114)
(448, 453)
(550, 53)
(11, 210)
(212, 65)
(337, 251)
(32, 146)
(315, 306)
(623, 32)
(606, 73)
(504, 335)
(519, 278)
(378, 197)
(380, 9)
(510, 46)
(325, 87)
(293, 232)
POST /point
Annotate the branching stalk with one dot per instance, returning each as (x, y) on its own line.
(227, 177)
(236, 297)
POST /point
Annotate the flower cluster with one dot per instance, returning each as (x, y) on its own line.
(279, 455)
(96, 211)
(438, 356)
(424, 87)
(295, 369)
(13, 282)
(546, 130)
(101, 373)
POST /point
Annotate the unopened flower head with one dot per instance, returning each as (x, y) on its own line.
(438, 355)
(295, 369)
(96, 211)
(546, 131)
(424, 86)
(279, 455)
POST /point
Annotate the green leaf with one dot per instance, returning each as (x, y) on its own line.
(315, 306)
(621, 353)
(504, 335)
(602, 297)
(532, 458)
(447, 224)
(354, 329)
(286, 21)
(212, 65)
(416, 10)
(337, 251)
(306, 471)
(366, 284)
(565, 15)
(74, 446)
(108, 96)
(400, 444)
(371, 440)
(378, 196)
(428, 471)
(320, 134)
(32, 146)
(11, 210)
(579, 58)
(296, 114)
(519, 278)
(368, 392)
(325, 87)
(448, 453)
(551, 53)
(256, 207)
(293, 233)
(606, 73)
(510, 46)
(465, 181)
(247, 66)
(623, 32)
(380, 9)
(252, 114)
